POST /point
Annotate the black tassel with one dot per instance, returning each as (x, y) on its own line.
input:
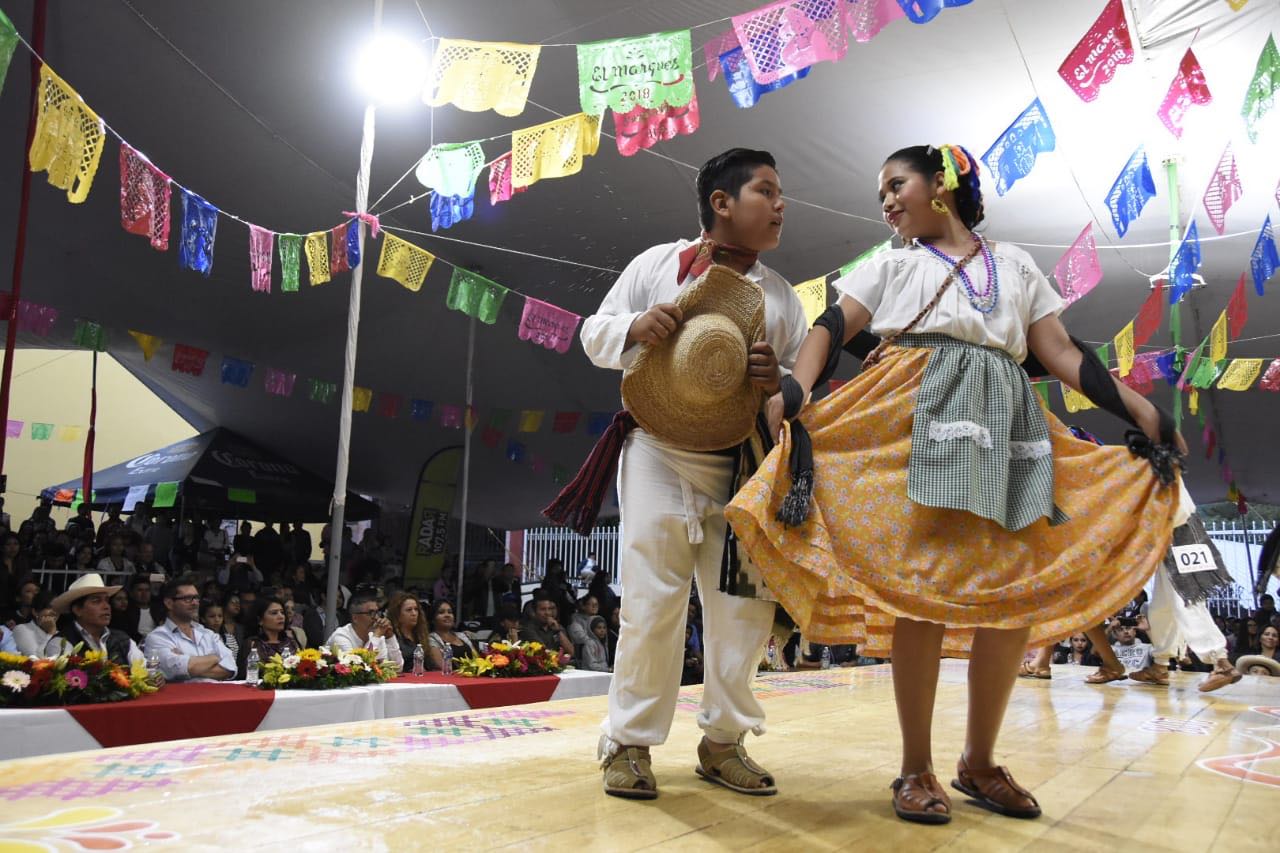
(795, 506)
(1164, 458)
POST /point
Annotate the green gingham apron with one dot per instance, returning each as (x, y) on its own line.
(979, 440)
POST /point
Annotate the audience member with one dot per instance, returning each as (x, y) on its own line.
(212, 616)
(1079, 652)
(214, 543)
(544, 627)
(556, 585)
(147, 563)
(444, 636)
(691, 673)
(293, 622)
(7, 642)
(1246, 637)
(23, 610)
(13, 568)
(600, 588)
(268, 553)
(508, 629)
(595, 651)
(580, 623)
(143, 613)
(114, 564)
(1268, 640)
(510, 585)
(240, 574)
(160, 537)
(267, 632)
(1266, 613)
(186, 648)
(1131, 653)
(84, 618)
(615, 627)
(53, 564)
(243, 543)
(299, 544)
(33, 637)
(84, 559)
(232, 611)
(113, 525)
(368, 629)
(82, 522)
(411, 628)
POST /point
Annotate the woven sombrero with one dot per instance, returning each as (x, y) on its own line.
(692, 389)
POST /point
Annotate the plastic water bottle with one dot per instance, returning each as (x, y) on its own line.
(418, 657)
(447, 664)
(153, 665)
(826, 657)
(251, 666)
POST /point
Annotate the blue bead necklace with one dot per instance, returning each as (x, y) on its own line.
(983, 300)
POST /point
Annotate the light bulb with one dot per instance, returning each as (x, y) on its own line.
(390, 69)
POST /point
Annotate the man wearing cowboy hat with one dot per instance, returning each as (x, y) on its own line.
(700, 328)
(85, 618)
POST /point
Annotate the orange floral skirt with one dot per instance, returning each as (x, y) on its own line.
(868, 554)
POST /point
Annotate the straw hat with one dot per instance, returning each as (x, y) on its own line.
(1245, 661)
(82, 587)
(692, 389)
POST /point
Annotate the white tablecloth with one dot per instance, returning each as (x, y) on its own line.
(26, 732)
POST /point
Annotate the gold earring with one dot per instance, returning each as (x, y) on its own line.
(940, 206)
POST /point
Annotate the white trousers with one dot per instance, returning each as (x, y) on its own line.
(673, 528)
(1175, 625)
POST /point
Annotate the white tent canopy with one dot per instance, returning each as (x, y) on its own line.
(278, 146)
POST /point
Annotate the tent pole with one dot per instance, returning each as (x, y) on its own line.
(38, 18)
(466, 461)
(334, 557)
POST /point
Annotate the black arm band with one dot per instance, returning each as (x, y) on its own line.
(792, 397)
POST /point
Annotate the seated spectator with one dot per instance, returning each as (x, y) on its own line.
(368, 629)
(443, 636)
(508, 629)
(212, 617)
(692, 670)
(266, 630)
(293, 621)
(268, 551)
(81, 523)
(83, 559)
(143, 613)
(615, 627)
(580, 624)
(305, 589)
(247, 598)
(28, 590)
(1258, 665)
(186, 648)
(115, 565)
(13, 568)
(509, 585)
(84, 618)
(240, 573)
(7, 642)
(1079, 652)
(32, 637)
(411, 628)
(147, 563)
(595, 651)
(213, 545)
(1268, 640)
(113, 526)
(1132, 654)
(599, 587)
(243, 543)
(544, 627)
(53, 563)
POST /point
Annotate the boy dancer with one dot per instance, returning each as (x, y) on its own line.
(672, 498)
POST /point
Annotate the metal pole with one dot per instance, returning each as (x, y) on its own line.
(1175, 239)
(349, 365)
(38, 19)
(466, 461)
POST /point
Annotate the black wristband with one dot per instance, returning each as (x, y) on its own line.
(792, 397)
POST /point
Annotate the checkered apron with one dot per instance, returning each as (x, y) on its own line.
(979, 440)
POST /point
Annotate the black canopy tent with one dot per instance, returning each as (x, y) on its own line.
(215, 473)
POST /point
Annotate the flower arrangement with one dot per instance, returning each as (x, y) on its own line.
(512, 660)
(324, 669)
(72, 679)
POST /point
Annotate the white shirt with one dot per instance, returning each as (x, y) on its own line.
(175, 649)
(57, 646)
(31, 639)
(108, 569)
(1134, 656)
(346, 639)
(650, 279)
(145, 623)
(893, 286)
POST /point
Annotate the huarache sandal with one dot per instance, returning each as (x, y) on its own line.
(1151, 675)
(1105, 676)
(919, 798)
(994, 789)
(628, 773)
(735, 770)
(1026, 670)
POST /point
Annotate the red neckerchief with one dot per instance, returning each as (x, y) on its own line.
(702, 254)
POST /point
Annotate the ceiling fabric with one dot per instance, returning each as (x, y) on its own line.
(276, 143)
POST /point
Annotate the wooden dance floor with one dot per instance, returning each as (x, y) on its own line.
(1118, 767)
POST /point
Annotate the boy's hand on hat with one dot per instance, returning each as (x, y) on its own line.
(762, 367)
(656, 324)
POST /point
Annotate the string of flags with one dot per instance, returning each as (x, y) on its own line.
(648, 84)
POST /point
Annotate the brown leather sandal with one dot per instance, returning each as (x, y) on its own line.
(994, 789)
(1105, 676)
(917, 796)
(1026, 670)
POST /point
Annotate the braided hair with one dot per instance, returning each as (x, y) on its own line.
(960, 169)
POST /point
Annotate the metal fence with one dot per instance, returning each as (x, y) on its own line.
(544, 543)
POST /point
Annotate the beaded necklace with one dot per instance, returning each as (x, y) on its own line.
(983, 300)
